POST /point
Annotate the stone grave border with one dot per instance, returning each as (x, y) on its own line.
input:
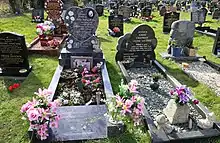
(112, 129)
(158, 136)
(207, 31)
(48, 51)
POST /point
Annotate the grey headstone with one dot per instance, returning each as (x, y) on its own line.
(125, 11)
(216, 14)
(162, 10)
(198, 17)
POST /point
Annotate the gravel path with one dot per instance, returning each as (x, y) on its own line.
(156, 101)
(205, 74)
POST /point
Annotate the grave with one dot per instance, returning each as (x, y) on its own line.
(13, 56)
(100, 9)
(216, 14)
(116, 25)
(126, 12)
(198, 17)
(162, 10)
(136, 59)
(146, 13)
(41, 45)
(216, 46)
(37, 11)
(206, 30)
(82, 121)
(169, 18)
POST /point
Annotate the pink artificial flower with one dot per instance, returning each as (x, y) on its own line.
(54, 124)
(43, 93)
(171, 92)
(33, 114)
(125, 109)
(85, 71)
(136, 111)
(133, 86)
(26, 107)
(133, 99)
(97, 80)
(128, 103)
(119, 101)
(88, 82)
(94, 69)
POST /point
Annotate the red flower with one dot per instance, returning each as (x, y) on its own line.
(116, 30)
(83, 81)
(10, 88)
(97, 80)
(196, 102)
(94, 70)
(16, 85)
(171, 92)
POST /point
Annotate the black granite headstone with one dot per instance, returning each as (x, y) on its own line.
(216, 46)
(146, 12)
(125, 11)
(139, 47)
(13, 55)
(38, 10)
(81, 123)
(116, 23)
(100, 9)
(162, 10)
(169, 18)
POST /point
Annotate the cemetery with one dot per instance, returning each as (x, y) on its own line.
(112, 71)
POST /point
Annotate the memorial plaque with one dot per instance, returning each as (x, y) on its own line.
(116, 22)
(169, 18)
(216, 46)
(198, 17)
(81, 23)
(140, 46)
(100, 9)
(216, 14)
(81, 123)
(13, 55)
(54, 10)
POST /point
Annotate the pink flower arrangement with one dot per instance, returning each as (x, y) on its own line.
(41, 113)
(128, 103)
(45, 28)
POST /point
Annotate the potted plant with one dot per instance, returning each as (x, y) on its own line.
(156, 77)
(175, 49)
(41, 115)
(177, 110)
(45, 32)
(127, 104)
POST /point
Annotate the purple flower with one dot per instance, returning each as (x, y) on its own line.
(183, 98)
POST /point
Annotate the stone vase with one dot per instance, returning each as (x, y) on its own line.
(175, 113)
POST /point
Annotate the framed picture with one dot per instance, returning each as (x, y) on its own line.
(77, 61)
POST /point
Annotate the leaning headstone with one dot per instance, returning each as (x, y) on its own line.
(216, 14)
(169, 18)
(115, 25)
(139, 47)
(182, 32)
(198, 17)
(216, 47)
(13, 55)
(163, 10)
(38, 11)
(99, 9)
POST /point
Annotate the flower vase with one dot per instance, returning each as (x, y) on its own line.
(34, 139)
(176, 52)
(176, 113)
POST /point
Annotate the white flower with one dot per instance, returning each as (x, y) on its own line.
(70, 13)
(67, 17)
(69, 46)
(65, 102)
(71, 41)
(72, 18)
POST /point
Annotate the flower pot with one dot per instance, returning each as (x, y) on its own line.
(192, 52)
(176, 113)
(154, 86)
(176, 52)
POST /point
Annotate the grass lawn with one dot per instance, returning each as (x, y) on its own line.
(13, 129)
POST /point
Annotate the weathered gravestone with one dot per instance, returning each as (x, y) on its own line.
(81, 25)
(99, 9)
(116, 25)
(163, 10)
(198, 17)
(38, 11)
(169, 18)
(146, 12)
(216, 47)
(125, 11)
(54, 11)
(182, 32)
(137, 47)
(81, 123)
(216, 14)
(13, 55)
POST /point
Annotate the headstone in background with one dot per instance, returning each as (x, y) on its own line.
(169, 18)
(13, 55)
(38, 11)
(198, 17)
(115, 24)
(139, 47)
(163, 10)
(205, 11)
(125, 11)
(216, 14)
(146, 12)
(100, 9)
(216, 46)
(182, 32)
(113, 8)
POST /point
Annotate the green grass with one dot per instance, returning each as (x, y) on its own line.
(13, 129)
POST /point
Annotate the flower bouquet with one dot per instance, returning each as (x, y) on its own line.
(41, 114)
(127, 103)
(177, 110)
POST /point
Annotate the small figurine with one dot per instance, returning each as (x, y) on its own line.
(207, 123)
(162, 123)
